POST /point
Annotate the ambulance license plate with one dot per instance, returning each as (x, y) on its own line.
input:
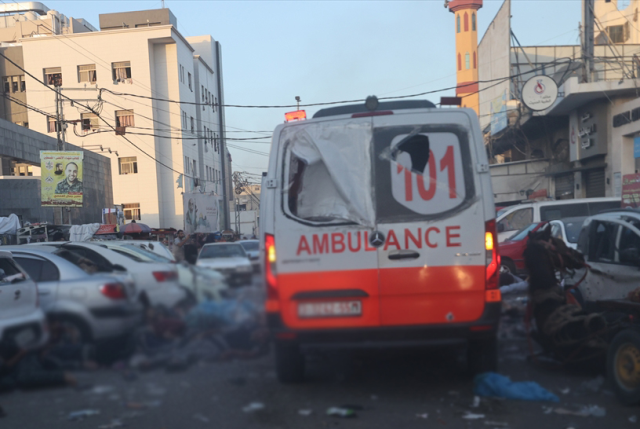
(330, 309)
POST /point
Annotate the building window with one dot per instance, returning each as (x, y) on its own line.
(13, 84)
(128, 165)
(458, 23)
(467, 62)
(466, 21)
(189, 78)
(122, 72)
(87, 73)
(618, 33)
(459, 62)
(193, 125)
(194, 172)
(52, 124)
(184, 120)
(182, 74)
(475, 61)
(53, 76)
(131, 211)
(124, 118)
(473, 22)
(202, 92)
(90, 121)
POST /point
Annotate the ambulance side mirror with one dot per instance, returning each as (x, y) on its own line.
(500, 227)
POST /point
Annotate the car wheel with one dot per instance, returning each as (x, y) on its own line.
(74, 329)
(482, 355)
(623, 366)
(507, 266)
(290, 363)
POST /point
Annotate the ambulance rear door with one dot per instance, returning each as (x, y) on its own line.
(430, 219)
(327, 271)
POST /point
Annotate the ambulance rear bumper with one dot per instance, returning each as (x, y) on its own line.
(384, 337)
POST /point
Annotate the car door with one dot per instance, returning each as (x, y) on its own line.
(17, 291)
(627, 257)
(601, 256)
(45, 273)
(430, 225)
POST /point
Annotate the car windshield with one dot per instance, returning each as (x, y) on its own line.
(222, 251)
(250, 246)
(520, 235)
(572, 228)
(9, 272)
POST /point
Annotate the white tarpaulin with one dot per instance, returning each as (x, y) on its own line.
(9, 225)
(337, 177)
(83, 232)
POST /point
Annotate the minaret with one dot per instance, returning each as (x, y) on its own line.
(466, 28)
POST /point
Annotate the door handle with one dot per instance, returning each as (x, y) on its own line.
(17, 295)
(403, 254)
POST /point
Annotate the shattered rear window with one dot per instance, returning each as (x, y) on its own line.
(421, 172)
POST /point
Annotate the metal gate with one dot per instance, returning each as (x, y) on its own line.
(564, 187)
(594, 183)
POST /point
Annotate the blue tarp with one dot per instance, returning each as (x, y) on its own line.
(492, 384)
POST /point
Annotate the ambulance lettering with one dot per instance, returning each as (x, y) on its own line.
(357, 241)
(439, 186)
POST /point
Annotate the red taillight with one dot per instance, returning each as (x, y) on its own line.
(374, 113)
(493, 259)
(163, 276)
(114, 291)
(271, 274)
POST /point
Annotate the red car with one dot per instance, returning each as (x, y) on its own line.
(511, 250)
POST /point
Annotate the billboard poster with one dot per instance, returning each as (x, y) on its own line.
(201, 213)
(499, 113)
(631, 190)
(61, 179)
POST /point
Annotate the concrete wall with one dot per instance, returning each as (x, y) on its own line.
(10, 110)
(141, 18)
(493, 57)
(21, 195)
(511, 181)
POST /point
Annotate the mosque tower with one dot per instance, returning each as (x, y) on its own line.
(466, 27)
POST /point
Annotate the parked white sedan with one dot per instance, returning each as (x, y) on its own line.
(157, 280)
(22, 321)
(229, 259)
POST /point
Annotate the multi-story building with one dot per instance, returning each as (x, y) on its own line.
(138, 75)
(582, 145)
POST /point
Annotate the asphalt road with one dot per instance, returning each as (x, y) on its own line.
(401, 390)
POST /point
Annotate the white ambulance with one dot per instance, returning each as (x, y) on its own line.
(378, 230)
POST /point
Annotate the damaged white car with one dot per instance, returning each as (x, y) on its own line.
(610, 243)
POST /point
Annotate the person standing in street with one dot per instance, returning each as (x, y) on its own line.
(178, 246)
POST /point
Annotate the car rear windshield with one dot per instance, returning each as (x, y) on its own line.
(250, 245)
(84, 260)
(145, 254)
(222, 251)
(572, 229)
(522, 234)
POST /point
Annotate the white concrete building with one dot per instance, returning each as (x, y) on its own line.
(162, 90)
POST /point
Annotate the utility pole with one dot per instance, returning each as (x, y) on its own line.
(59, 134)
(588, 40)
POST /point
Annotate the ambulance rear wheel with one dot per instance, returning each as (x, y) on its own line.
(482, 356)
(289, 363)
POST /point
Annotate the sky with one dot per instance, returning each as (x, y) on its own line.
(327, 51)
